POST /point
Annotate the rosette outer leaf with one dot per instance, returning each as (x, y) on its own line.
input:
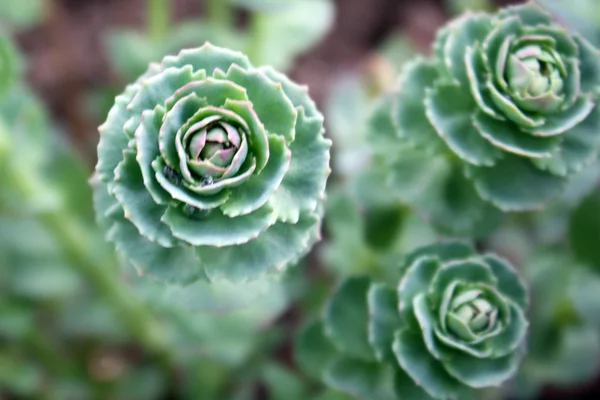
(211, 168)
(512, 98)
(454, 323)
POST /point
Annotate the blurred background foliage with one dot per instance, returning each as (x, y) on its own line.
(75, 325)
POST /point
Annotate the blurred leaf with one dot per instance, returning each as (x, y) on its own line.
(333, 395)
(346, 108)
(145, 383)
(15, 320)
(312, 350)
(17, 14)
(18, 375)
(457, 7)
(283, 384)
(584, 230)
(361, 379)
(280, 34)
(584, 17)
(131, 51)
(584, 290)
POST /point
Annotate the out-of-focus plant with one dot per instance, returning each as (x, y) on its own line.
(564, 340)
(582, 17)
(211, 168)
(276, 33)
(16, 15)
(71, 327)
(456, 7)
(507, 103)
(454, 322)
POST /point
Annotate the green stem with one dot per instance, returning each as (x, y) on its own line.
(257, 34)
(219, 12)
(158, 19)
(77, 244)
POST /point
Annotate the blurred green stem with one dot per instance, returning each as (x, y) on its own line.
(219, 12)
(78, 246)
(158, 19)
(257, 34)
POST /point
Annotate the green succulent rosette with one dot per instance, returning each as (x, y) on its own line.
(455, 322)
(211, 168)
(510, 98)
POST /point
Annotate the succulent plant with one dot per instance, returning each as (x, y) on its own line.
(510, 98)
(455, 322)
(211, 168)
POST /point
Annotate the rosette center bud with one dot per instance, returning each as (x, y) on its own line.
(214, 149)
(471, 313)
(535, 74)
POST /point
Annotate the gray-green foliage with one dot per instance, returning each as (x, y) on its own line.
(563, 341)
(211, 168)
(455, 321)
(508, 102)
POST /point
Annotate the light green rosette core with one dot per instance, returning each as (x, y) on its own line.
(211, 169)
(454, 323)
(511, 98)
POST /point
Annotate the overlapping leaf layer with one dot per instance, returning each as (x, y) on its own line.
(455, 322)
(211, 168)
(510, 98)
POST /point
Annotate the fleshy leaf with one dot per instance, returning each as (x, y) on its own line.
(590, 64)
(147, 147)
(584, 229)
(303, 186)
(409, 109)
(362, 379)
(578, 149)
(296, 93)
(259, 188)
(480, 373)
(139, 207)
(346, 318)
(183, 194)
(443, 251)
(417, 279)
(406, 388)
(275, 248)
(470, 270)
(509, 340)
(165, 136)
(560, 122)
(531, 191)
(312, 350)
(529, 13)
(384, 319)
(426, 322)
(509, 282)
(155, 91)
(259, 142)
(208, 58)
(176, 265)
(469, 29)
(508, 137)
(215, 228)
(449, 110)
(215, 91)
(425, 371)
(275, 110)
(510, 110)
(113, 139)
(476, 71)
